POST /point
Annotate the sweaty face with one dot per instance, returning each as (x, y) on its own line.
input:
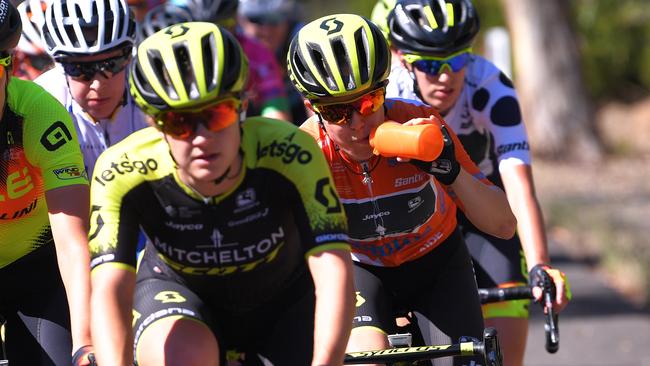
(440, 91)
(100, 95)
(205, 156)
(353, 137)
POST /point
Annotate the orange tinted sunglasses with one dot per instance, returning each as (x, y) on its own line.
(183, 124)
(341, 113)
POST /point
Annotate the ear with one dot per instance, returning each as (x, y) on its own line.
(308, 104)
(400, 56)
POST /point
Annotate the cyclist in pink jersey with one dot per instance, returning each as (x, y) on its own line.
(266, 91)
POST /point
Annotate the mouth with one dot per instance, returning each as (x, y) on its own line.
(206, 157)
(442, 93)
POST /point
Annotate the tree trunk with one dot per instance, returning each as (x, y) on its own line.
(558, 113)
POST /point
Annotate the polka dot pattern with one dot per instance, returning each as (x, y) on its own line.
(506, 81)
(480, 99)
(505, 112)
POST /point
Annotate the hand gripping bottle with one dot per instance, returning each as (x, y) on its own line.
(421, 142)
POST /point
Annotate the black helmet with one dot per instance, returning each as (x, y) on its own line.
(10, 26)
(433, 27)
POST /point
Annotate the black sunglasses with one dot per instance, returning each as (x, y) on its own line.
(88, 70)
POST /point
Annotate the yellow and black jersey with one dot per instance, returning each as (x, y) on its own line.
(254, 237)
(40, 152)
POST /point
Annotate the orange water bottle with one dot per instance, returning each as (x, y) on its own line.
(421, 142)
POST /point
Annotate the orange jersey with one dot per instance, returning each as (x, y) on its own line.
(396, 213)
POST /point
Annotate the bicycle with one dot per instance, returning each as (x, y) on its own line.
(551, 320)
(488, 348)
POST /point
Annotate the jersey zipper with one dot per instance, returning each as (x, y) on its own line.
(376, 212)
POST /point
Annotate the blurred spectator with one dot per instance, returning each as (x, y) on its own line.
(31, 60)
(265, 89)
(274, 23)
(160, 17)
(141, 7)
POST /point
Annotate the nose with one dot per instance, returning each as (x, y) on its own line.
(357, 121)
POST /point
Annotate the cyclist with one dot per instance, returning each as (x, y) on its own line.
(407, 250)
(274, 23)
(265, 88)
(89, 78)
(480, 105)
(44, 260)
(160, 17)
(31, 60)
(241, 217)
(379, 16)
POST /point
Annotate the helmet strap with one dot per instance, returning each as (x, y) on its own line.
(416, 88)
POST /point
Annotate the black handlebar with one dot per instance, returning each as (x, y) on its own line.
(551, 326)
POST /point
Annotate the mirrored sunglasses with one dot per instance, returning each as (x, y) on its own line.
(216, 117)
(341, 113)
(87, 70)
(434, 66)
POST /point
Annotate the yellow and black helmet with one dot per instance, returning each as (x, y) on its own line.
(337, 58)
(187, 66)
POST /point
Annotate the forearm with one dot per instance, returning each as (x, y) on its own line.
(112, 304)
(334, 312)
(519, 187)
(485, 206)
(74, 265)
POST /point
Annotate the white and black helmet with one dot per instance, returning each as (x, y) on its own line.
(160, 17)
(83, 27)
(32, 15)
(209, 10)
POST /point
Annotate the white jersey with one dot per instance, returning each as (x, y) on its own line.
(94, 136)
(486, 116)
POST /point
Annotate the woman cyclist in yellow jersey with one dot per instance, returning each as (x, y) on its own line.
(408, 252)
(248, 248)
(44, 261)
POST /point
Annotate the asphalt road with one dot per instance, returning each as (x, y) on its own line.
(598, 328)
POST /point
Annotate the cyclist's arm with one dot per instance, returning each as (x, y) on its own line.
(518, 183)
(486, 206)
(111, 302)
(68, 214)
(332, 274)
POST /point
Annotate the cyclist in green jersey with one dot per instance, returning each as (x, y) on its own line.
(44, 261)
(248, 247)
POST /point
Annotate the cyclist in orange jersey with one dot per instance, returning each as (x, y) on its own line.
(407, 250)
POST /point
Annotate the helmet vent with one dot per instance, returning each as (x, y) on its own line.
(159, 69)
(186, 70)
(317, 58)
(343, 64)
(360, 38)
(209, 61)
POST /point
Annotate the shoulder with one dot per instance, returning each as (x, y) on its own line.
(54, 82)
(402, 110)
(141, 156)
(36, 106)
(483, 73)
(278, 144)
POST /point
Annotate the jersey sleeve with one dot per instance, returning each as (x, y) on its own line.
(496, 103)
(114, 225)
(51, 140)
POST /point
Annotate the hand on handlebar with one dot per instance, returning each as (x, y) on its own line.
(84, 356)
(560, 288)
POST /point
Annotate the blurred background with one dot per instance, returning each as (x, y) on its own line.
(582, 72)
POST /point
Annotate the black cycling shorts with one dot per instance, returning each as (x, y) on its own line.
(280, 331)
(439, 288)
(35, 307)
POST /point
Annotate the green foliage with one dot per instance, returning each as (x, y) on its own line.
(614, 38)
